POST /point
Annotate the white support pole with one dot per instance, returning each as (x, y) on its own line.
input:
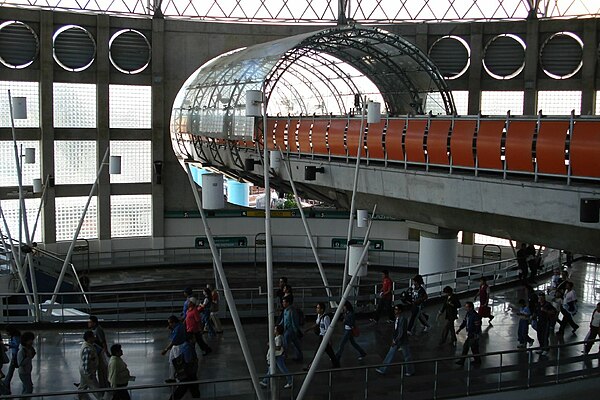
(67, 261)
(16, 260)
(23, 214)
(269, 250)
(226, 290)
(329, 333)
(354, 187)
(308, 232)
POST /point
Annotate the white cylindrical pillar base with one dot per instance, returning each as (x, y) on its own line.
(29, 155)
(19, 107)
(354, 255)
(437, 252)
(275, 160)
(373, 112)
(37, 185)
(114, 165)
(213, 197)
(253, 103)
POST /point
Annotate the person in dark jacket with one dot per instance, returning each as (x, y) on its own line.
(349, 329)
(472, 324)
(449, 311)
(399, 342)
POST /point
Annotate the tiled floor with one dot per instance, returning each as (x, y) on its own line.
(56, 365)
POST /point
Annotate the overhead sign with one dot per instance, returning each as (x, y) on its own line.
(341, 243)
(221, 242)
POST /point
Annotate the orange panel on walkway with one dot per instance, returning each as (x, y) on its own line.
(393, 140)
(304, 135)
(292, 137)
(353, 136)
(585, 149)
(319, 136)
(437, 141)
(375, 140)
(336, 137)
(280, 140)
(271, 122)
(489, 141)
(413, 143)
(550, 147)
(519, 145)
(461, 143)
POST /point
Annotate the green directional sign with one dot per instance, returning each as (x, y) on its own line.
(221, 242)
(340, 243)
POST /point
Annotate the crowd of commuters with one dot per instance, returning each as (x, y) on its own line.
(101, 366)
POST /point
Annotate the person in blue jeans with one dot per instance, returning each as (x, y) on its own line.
(13, 345)
(290, 324)
(349, 322)
(524, 315)
(279, 360)
(399, 342)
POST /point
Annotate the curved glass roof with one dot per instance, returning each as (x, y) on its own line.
(326, 11)
(318, 73)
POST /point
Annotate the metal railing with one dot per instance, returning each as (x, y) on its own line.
(498, 372)
(154, 305)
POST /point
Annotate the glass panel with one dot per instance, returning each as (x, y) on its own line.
(498, 103)
(75, 161)
(436, 105)
(10, 208)
(136, 160)
(131, 215)
(68, 213)
(130, 106)
(74, 105)
(29, 90)
(559, 102)
(8, 169)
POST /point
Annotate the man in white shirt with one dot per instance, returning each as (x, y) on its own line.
(594, 329)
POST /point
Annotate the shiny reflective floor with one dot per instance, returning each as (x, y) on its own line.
(55, 367)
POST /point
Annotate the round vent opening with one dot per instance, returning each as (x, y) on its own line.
(504, 56)
(129, 51)
(74, 48)
(452, 56)
(19, 44)
(561, 55)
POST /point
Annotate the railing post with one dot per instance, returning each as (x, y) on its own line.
(330, 385)
(367, 383)
(500, 374)
(558, 364)
(529, 356)
(435, 380)
(468, 376)
(402, 380)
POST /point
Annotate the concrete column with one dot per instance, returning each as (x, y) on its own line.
(437, 252)
(476, 45)
(531, 67)
(159, 130)
(103, 132)
(46, 78)
(588, 71)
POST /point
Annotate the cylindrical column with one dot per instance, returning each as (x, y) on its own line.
(212, 192)
(437, 254)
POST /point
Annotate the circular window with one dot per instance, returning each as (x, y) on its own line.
(504, 56)
(19, 44)
(452, 56)
(129, 51)
(561, 55)
(74, 48)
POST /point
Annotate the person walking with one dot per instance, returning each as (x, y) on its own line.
(101, 344)
(546, 315)
(193, 325)
(214, 310)
(88, 367)
(186, 370)
(485, 311)
(13, 347)
(205, 309)
(24, 360)
(279, 360)
(350, 331)
(419, 297)
(320, 328)
(291, 328)
(177, 337)
(118, 373)
(568, 309)
(594, 330)
(524, 315)
(399, 342)
(472, 324)
(450, 312)
(384, 307)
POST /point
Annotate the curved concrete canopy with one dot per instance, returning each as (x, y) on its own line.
(320, 73)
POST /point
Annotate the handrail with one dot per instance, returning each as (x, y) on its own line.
(57, 258)
(366, 368)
